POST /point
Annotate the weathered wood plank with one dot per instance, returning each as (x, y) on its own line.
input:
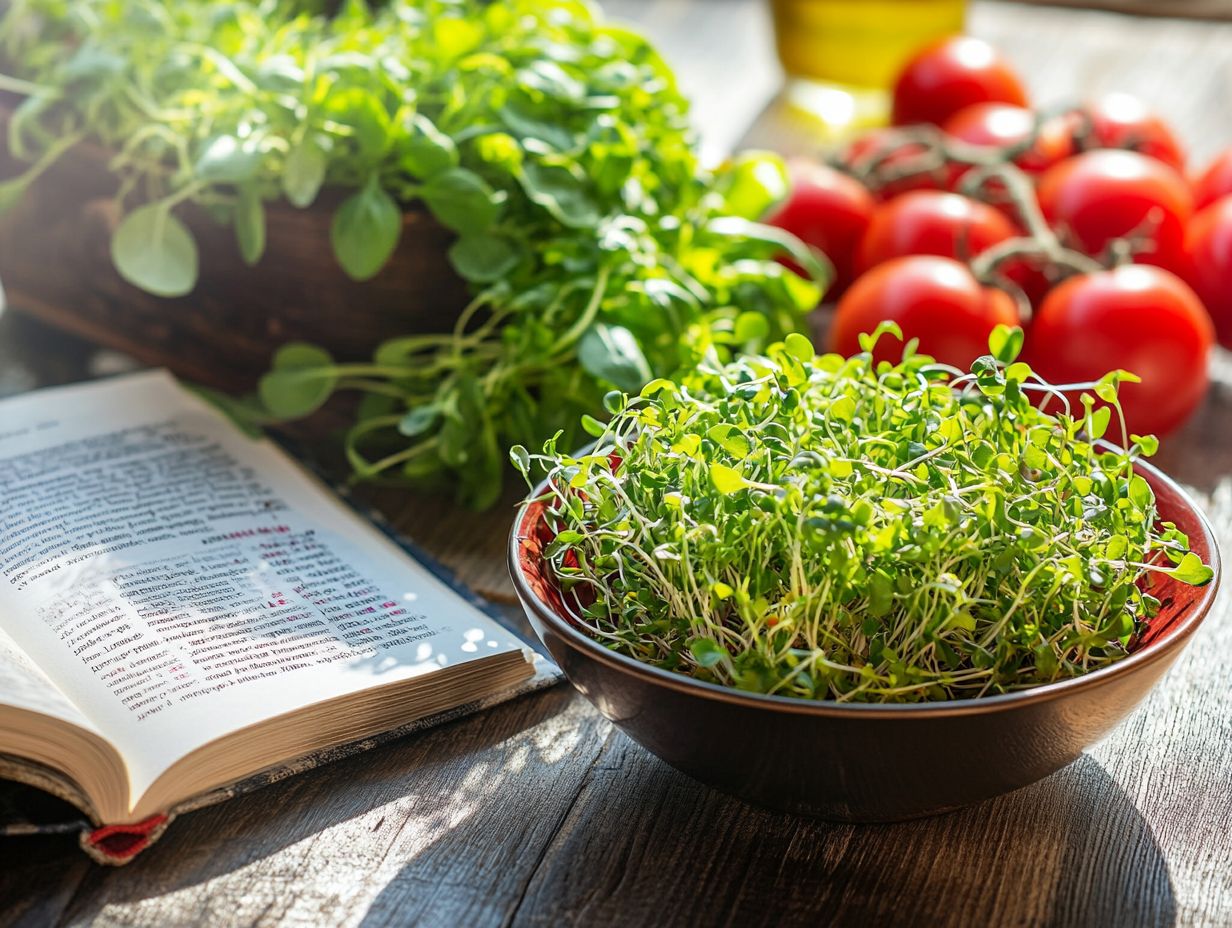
(33, 355)
(441, 829)
(472, 544)
(1173, 759)
(38, 877)
(224, 332)
(645, 846)
(1193, 9)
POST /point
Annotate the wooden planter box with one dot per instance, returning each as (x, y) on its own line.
(55, 265)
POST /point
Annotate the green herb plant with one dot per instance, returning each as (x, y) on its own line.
(831, 528)
(555, 147)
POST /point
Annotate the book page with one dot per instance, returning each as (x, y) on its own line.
(179, 580)
(25, 686)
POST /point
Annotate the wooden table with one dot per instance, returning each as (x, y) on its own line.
(540, 813)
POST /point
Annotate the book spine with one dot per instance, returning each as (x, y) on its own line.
(116, 845)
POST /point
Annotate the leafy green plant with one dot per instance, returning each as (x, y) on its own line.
(839, 529)
(555, 146)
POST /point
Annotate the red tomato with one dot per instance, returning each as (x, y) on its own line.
(828, 210)
(1000, 125)
(1141, 319)
(934, 299)
(1100, 196)
(929, 222)
(950, 75)
(1122, 121)
(1215, 182)
(1208, 264)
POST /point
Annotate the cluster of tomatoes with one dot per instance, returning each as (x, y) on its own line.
(1081, 225)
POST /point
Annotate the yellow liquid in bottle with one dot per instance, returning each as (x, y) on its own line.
(842, 56)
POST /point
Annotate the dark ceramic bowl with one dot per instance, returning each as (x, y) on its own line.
(864, 763)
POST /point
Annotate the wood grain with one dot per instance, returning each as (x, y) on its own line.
(55, 261)
(540, 814)
(472, 544)
(1070, 850)
(38, 877)
(435, 831)
(1191, 9)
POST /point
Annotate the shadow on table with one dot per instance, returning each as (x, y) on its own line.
(648, 846)
(462, 833)
(214, 866)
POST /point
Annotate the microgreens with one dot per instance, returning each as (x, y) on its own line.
(833, 528)
(554, 145)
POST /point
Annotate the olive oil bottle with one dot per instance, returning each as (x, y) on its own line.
(841, 56)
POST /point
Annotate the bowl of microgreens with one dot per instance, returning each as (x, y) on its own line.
(857, 590)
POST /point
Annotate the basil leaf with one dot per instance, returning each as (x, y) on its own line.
(153, 250)
(561, 192)
(814, 262)
(484, 258)
(461, 200)
(550, 79)
(427, 151)
(364, 115)
(419, 420)
(611, 353)
(526, 126)
(227, 160)
(302, 379)
(365, 231)
(455, 36)
(303, 173)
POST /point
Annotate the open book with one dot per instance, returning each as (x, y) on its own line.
(183, 607)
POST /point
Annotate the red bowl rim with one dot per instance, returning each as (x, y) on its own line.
(1170, 641)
